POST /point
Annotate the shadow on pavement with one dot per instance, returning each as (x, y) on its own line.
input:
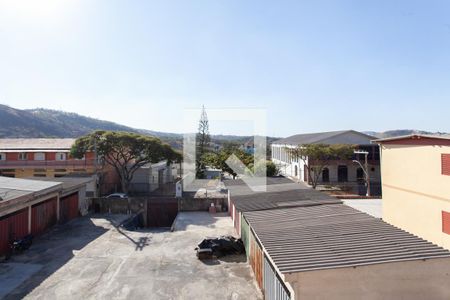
(56, 247)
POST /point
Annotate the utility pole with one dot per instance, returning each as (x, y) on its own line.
(365, 169)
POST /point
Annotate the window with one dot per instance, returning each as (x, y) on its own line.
(445, 164)
(39, 156)
(60, 156)
(22, 156)
(2, 156)
(296, 171)
(446, 222)
(342, 174)
(325, 175)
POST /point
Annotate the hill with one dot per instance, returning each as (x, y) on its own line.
(400, 132)
(40, 123)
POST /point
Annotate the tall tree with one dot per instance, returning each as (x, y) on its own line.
(125, 152)
(218, 159)
(317, 156)
(203, 139)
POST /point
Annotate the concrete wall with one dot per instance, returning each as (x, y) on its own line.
(414, 191)
(202, 204)
(399, 280)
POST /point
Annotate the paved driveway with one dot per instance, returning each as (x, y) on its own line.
(91, 259)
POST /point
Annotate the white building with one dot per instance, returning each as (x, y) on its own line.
(344, 173)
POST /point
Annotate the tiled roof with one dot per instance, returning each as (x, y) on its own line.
(36, 144)
(333, 236)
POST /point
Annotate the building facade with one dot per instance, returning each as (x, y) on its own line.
(22, 158)
(339, 172)
(151, 177)
(415, 173)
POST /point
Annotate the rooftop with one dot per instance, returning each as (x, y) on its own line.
(13, 188)
(334, 236)
(350, 137)
(281, 192)
(416, 139)
(68, 183)
(36, 144)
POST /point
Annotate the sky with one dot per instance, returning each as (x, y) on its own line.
(311, 65)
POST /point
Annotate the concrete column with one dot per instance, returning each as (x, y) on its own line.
(29, 219)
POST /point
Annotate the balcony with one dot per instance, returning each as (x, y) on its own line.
(44, 164)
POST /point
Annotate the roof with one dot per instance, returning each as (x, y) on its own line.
(13, 188)
(68, 183)
(350, 137)
(14, 145)
(281, 192)
(334, 236)
(416, 139)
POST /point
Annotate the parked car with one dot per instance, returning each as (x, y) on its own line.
(117, 195)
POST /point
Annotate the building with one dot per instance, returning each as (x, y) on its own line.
(151, 177)
(22, 158)
(339, 172)
(333, 251)
(281, 192)
(304, 244)
(33, 206)
(415, 172)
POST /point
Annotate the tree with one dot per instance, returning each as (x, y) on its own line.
(317, 156)
(218, 159)
(203, 139)
(126, 152)
(271, 169)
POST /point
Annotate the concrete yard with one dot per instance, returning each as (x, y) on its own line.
(91, 258)
(369, 206)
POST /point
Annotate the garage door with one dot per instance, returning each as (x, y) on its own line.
(68, 208)
(161, 212)
(43, 216)
(12, 227)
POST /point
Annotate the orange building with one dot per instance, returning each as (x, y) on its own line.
(42, 158)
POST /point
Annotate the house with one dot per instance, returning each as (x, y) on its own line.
(333, 251)
(40, 157)
(152, 176)
(33, 206)
(338, 172)
(415, 172)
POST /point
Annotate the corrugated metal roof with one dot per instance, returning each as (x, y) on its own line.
(332, 236)
(36, 144)
(68, 183)
(281, 192)
(350, 137)
(12, 188)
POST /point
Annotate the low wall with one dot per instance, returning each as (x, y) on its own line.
(202, 204)
(117, 205)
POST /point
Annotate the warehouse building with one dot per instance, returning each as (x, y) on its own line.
(336, 252)
(33, 206)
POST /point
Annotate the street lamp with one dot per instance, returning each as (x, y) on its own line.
(365, 169)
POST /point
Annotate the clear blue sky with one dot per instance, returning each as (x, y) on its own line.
(314, 65)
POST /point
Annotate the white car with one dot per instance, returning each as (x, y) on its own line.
(117, 195)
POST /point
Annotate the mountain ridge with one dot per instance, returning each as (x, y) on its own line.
(41, 122)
